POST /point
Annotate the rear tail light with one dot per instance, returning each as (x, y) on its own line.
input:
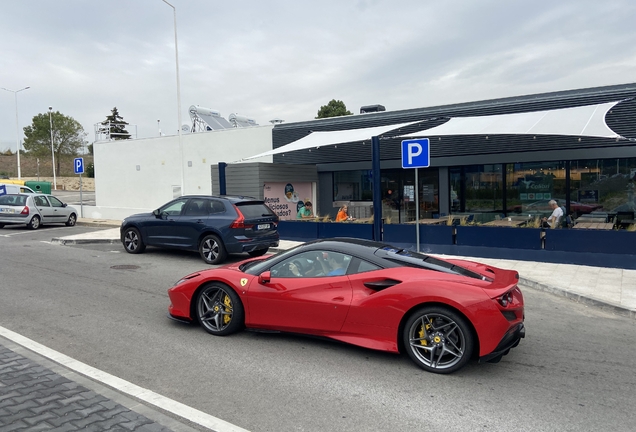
(25, 211)
(240, 220)
(505, 299)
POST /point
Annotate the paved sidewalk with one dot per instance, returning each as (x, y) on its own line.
(37, 394)
(610, 288)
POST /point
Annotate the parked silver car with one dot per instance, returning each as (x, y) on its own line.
(34, 210)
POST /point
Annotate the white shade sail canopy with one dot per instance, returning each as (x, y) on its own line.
(586, 120)
(319, 139)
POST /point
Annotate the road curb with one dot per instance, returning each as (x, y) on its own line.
(62, 241)
(606, 306)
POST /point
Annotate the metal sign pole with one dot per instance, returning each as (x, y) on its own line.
(417, 212)
(81, 201)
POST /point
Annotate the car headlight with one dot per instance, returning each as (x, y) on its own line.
(123, 222)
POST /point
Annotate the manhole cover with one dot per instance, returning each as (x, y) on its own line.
(124, 267)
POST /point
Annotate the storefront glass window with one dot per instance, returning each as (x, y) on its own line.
(605, 185)
(530, 186)
(477, 189)
(398, 192)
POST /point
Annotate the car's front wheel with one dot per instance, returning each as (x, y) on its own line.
(34, 223)
(72, 220)
(219, 309)
(212, 250)
(133, 242)
(438, 339)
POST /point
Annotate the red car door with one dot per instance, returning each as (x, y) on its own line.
(317, 304)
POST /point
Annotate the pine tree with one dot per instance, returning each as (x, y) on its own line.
(117, 125)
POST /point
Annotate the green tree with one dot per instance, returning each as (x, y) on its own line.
(334, 108)
(117, 125)
(68, 136)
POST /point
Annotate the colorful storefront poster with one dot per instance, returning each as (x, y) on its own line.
(285, 199)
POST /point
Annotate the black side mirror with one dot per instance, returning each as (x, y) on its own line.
(64, 204)
(264, 277)
(156, 213)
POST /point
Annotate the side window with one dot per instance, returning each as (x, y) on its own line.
(197, 207)
(56, 202)
(312, 264)
(366, 266)
(173, 208)
(217, 207)
(41, 201)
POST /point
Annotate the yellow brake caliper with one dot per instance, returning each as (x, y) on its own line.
(422, 333)
(228, 308)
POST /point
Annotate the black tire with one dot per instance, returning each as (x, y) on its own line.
(258, 252)
(72, 220)
(219, 310)
(1, 226)
(212, 250)
(132, 241)
(438, 339)
(34, 223)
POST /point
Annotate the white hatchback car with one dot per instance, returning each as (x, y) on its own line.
(34, 210)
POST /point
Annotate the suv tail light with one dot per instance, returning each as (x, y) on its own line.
(240, 220)
(25, 211)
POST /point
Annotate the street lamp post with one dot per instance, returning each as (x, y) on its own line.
(17, 127)
(176, 51)
(52, 149)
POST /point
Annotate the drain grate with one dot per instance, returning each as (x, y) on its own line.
(125, 267)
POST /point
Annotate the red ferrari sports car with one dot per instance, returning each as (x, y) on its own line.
(441, 312)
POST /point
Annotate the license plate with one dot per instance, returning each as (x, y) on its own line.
(6, 210)
(262, 226)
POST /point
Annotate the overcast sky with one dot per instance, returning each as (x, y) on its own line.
(268, 59)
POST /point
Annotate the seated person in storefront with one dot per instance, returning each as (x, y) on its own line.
(555, 217)
(305, 212)
(343, 214)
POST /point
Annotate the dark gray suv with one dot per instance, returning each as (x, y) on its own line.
(214, 225)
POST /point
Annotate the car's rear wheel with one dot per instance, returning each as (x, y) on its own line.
(212, 250)
(258, 252)
(133, 242)
(219, 309)
(34, 223)
(438, 339)
(72, 220)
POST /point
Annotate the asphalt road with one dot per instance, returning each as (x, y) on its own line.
(75, 198)
(575, 371)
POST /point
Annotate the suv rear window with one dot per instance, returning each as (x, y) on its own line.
(254, 210)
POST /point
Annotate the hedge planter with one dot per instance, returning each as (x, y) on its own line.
(307, 231)
(499, 237)
(588, 240)
(345, 229)
(298, 230)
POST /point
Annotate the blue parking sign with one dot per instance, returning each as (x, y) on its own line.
(416, 153)
(78, 165)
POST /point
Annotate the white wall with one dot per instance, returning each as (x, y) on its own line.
(134, 175)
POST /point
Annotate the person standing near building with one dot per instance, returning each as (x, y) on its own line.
(555, 217)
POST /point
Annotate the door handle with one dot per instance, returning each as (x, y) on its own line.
(338, 299)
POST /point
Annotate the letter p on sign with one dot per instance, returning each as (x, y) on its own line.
(416, 153)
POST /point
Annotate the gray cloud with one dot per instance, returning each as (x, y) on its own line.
(287, 58)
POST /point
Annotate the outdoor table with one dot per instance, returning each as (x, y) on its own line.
(439, 221)
(594, 225)
(506, 223)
